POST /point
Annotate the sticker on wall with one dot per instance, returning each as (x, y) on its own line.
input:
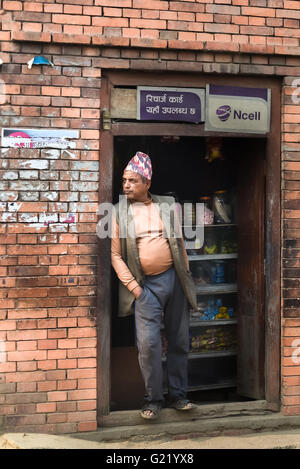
(170, 104)
(39, 138)
(39, 60)
(237, 109)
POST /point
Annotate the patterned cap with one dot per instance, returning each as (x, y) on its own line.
(140, 163)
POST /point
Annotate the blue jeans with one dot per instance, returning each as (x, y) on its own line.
(163, 298)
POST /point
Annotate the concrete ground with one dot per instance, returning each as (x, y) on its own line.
(288, 439)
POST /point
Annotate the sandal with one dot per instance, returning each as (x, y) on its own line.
(183, 404)
(150, 410)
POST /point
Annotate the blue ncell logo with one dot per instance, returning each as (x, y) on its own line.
(224, 112)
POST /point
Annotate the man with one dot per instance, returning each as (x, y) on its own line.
(155, 283)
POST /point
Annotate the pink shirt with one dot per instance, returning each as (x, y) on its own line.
(153, 248)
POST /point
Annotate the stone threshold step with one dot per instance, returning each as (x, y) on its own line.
(167, 415)
(233, 425)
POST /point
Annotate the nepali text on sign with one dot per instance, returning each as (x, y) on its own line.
(170, 104)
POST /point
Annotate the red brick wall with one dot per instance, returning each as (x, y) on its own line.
(48, 265)
(48, 249)
(291, 245)
(243, 21)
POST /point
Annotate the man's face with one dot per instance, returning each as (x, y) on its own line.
(134, 188)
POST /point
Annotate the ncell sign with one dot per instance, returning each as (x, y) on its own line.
(237, 109)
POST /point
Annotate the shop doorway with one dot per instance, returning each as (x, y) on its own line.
(227, 357)
(254, 166)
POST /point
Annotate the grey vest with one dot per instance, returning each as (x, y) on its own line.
(129, 251)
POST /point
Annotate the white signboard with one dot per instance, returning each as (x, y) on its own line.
(237, 109)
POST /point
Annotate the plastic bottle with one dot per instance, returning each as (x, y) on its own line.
(219, 272)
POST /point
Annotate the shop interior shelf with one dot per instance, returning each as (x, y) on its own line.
(212, 354)
(219, 225)
(211, 257)
(231, 383)
(216, 288)
(213, 225)
(212, 322)
(209, 322)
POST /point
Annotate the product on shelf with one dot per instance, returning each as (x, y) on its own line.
(211, 272)
(205, 215)
(219, 338)
(201, 273)
(227, 242)
(197, 315)
(219, 241)
(210, 243)
(212, 308)
(219, 272)
(221, 207)
(222, 314)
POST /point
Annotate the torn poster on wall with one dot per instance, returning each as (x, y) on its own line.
(39, 138)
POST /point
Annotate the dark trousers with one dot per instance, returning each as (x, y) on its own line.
(163, 298)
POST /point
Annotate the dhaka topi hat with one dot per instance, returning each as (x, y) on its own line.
(140, 163)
